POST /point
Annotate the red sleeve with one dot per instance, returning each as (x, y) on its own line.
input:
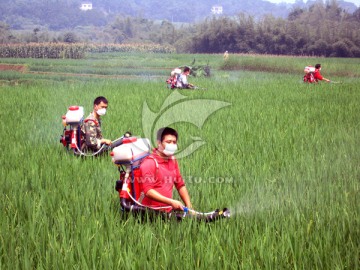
(148, 174)
(179, 182)
(318, 76)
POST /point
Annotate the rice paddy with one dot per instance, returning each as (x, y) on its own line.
(282, 155)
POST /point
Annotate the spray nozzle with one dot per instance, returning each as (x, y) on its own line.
(185, 209)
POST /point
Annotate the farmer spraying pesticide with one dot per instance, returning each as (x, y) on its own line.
(147, 179)
(179, 79)
(313, 75)
(84, 137)
(160, 173)
(92, 126)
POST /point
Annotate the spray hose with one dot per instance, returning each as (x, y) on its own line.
(114, 144)
(92, 154)
(150, 207)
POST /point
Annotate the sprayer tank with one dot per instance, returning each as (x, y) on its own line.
(74, 115)
(131, 152)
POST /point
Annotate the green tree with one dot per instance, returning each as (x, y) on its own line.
(355, 51)
(70, 37)
(319, 48)
(356, 16)
(295, 14)
(167, 32)
(341, 49)
(5, 34)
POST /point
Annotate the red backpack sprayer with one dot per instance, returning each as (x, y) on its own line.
(174, 76)
(309, 74)
(127, 157)
(72, 120)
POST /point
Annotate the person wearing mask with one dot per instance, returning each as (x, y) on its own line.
(160, 174)
(91, 127)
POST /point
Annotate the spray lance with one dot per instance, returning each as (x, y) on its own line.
(208, 217)
(104, 147)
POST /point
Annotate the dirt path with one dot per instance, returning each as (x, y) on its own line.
(24, 69)
(20, 68)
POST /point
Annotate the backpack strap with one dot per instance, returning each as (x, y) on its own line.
(92, 120)
(156, 164)
(142, 194)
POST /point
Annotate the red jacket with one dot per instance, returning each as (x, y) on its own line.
(161, 176)
(317, 75)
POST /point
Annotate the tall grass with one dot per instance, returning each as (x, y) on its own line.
(289, 151)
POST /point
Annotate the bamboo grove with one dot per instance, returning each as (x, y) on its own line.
(320, 31)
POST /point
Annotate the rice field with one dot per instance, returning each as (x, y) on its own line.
(282, 155)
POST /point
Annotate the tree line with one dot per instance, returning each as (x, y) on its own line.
(321, 30)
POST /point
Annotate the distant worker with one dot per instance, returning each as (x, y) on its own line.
(226, 55)
(317, 74)
(91, 128)
(182, 81)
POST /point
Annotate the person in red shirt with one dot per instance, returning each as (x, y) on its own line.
(160, 173)
(317, 74)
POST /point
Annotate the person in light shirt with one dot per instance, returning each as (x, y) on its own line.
(182, 81)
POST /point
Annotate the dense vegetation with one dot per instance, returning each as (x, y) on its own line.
(321, 30)
(290, 150)
(74, 50)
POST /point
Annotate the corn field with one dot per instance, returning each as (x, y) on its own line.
(74, 50)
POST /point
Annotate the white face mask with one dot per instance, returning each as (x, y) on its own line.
(170, 149)
(101, 111)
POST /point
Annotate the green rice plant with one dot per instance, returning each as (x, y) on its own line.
(333, 66)
(283, 156)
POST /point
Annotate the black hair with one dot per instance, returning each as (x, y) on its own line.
(317, 66)
(162, 132)
(100, 99)
(186, 69)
